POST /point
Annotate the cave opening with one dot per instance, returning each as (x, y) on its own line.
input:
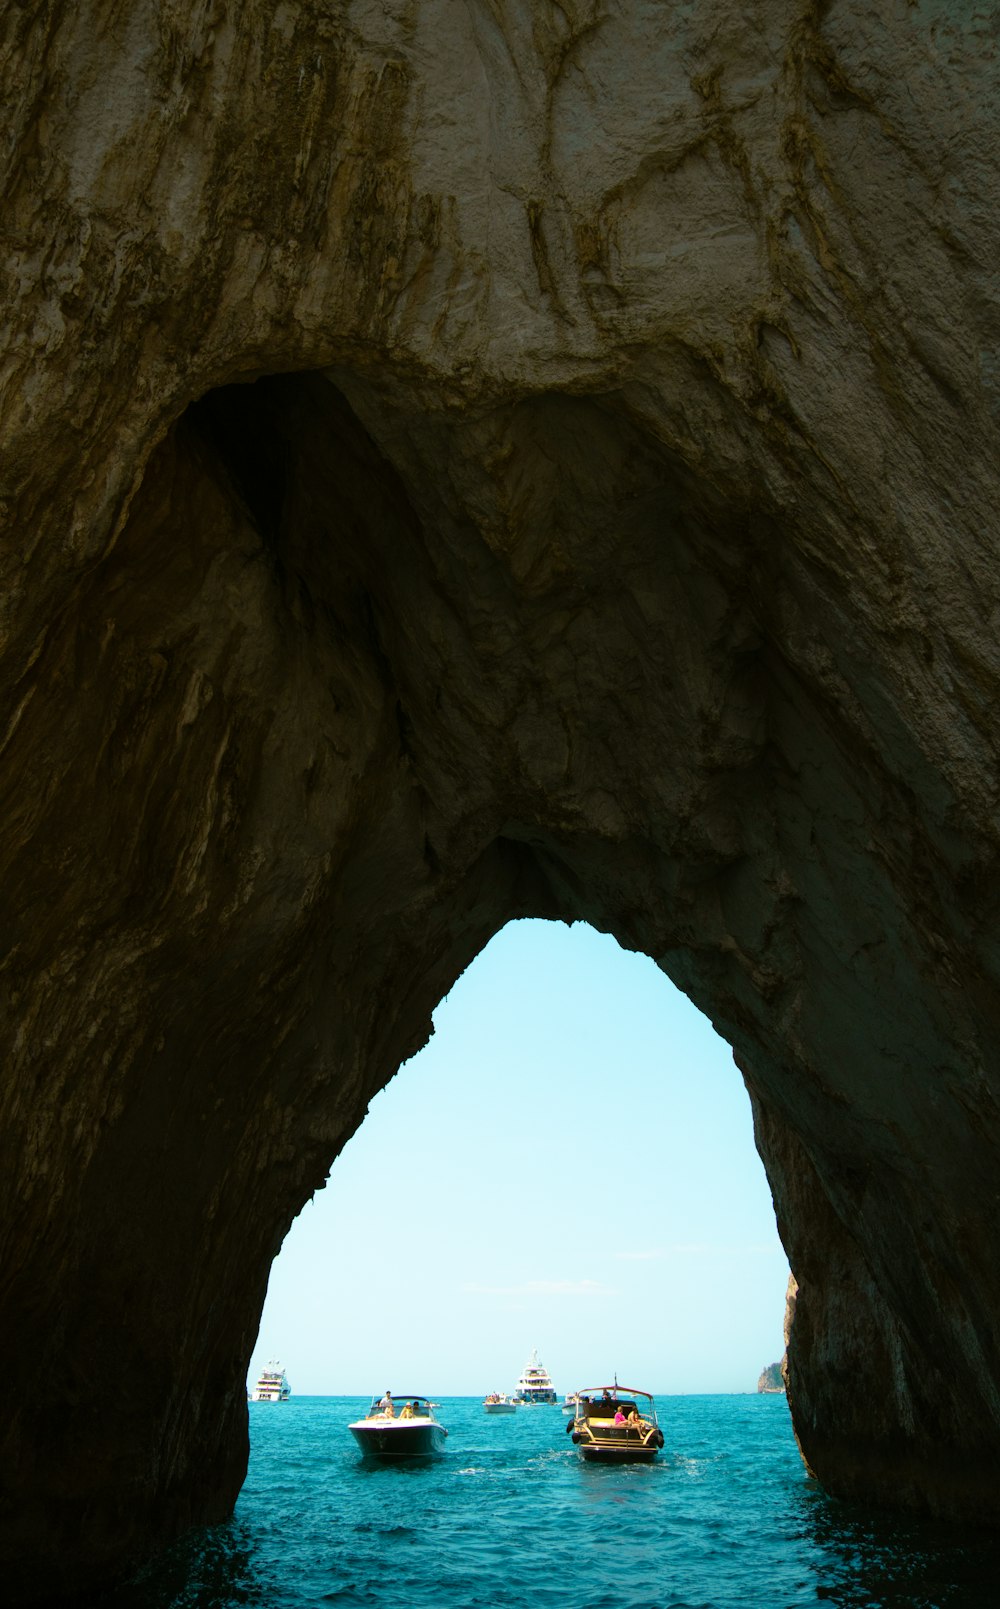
(573, 1134)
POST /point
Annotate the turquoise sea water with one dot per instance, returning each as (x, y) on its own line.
(510, 1516)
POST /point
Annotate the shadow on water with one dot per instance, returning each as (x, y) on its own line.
(857, 1560)
(875, 1560)
(210, 1569)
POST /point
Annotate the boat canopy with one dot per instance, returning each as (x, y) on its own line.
(613, 1391)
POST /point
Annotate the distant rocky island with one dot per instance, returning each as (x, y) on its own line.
(770, 1378)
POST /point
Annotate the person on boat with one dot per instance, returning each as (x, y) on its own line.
(634, 1422)
(387, 1406)
(409, 1409)
(619, 1418)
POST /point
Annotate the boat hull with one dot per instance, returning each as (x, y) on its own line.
(399, 1438)
(500, 1407)
(600, 1451)
(603, 1443)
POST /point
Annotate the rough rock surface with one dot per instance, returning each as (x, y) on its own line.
(469, 460)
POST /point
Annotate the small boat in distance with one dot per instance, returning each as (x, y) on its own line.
(570, 1401)
(272, 1385)
(499, 1402)
(535, 1384)
(611, 1426)
(409, 1431)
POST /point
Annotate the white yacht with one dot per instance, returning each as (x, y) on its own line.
(272, 1385)
(535, 1384)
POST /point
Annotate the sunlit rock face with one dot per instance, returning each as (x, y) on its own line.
(463, 462)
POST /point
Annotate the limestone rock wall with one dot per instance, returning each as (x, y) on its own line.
(463, 461)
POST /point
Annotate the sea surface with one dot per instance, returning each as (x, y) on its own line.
(511, 1516)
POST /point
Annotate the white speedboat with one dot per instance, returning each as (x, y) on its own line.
(404, 1427)
(615, 1425)
(272, 1385)
(569, 1402)
(499, 1402)
(535, 1384)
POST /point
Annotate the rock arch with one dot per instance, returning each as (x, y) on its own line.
(418, 525)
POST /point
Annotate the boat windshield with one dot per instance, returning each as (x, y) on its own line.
(401, 1400)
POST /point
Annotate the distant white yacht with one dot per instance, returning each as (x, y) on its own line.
(535, 1384)
(272, 1385)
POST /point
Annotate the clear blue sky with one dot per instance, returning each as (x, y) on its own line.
(569, 1165)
